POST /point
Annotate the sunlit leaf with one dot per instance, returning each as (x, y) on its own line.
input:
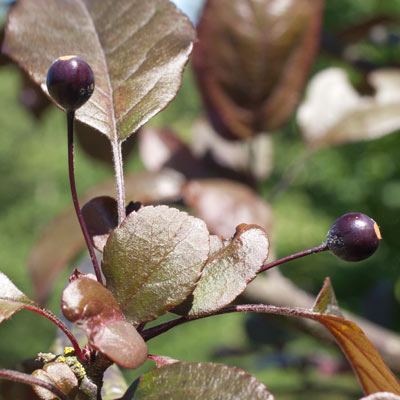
(62, 239)
(252, 59)
(333, 112)
(13, 300)
(231, 266)
(199, 381)
(224, 204)
(153, 261)
(137, 50)
(93, 308)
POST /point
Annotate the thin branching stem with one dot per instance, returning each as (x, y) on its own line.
(157, 330)
(53, 318)
(313, 250)
(16, 376)
(70, 124)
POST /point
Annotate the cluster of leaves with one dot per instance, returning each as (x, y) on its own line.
(156, 258)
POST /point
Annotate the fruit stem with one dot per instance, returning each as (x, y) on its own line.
(313, 250)
(70, 125)
(16, 376)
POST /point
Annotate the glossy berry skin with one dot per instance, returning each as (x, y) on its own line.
(70, 82)
(353, 237)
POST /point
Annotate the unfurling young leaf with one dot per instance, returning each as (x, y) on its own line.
(93, 308)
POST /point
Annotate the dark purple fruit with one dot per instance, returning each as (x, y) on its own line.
(70, 82)
(353, 237)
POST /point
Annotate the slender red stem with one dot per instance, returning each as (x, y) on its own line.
(70, 124)
(53, 318)
(157, 330)
(16, 376)
(313, 250)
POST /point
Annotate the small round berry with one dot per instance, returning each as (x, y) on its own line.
(353, 237)
(70, 82)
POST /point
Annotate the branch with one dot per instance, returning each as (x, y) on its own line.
(30, 380)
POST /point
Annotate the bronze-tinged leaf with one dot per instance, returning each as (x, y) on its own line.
(59, 375)
(199, 381)
(334, 113)
(93, 308)
(62, 239)
(224, 204)
(13, 300)
(153, 261)
(137, 50)
(161, 148)
(326, 302)
(374, 375)
(231, 266)
(252, 60)
(101, 217)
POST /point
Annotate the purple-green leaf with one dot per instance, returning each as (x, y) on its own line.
(153, 261)
(62, 240)
(13, 300)
(252, 60)
(93, 308)
(199, 381)
(232, 264)
(137, 50)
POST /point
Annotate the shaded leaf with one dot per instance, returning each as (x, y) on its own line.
(93, 308)
(231, 266)
(224, 204)
(253, 156)
(58, 374)
(137, 50)
(101, 217)
(62, 240)
(161, 148)
(153, 261)
(334, 113)
(252, 59)
(198, 381)
(98, 146)
(13, 300)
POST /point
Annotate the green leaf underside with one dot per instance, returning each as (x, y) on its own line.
(62, 239)
(12, 299)
(199, 381)
(93, 308)
(137, 50)
(153, 261)
(232, 265)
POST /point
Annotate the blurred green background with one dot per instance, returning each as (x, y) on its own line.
(362, 177)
